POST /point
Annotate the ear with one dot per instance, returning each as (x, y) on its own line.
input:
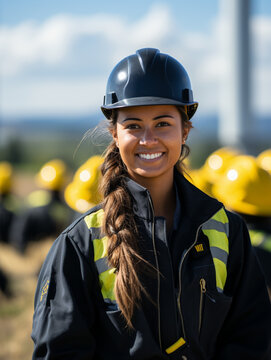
(186, 130)
(115, 136)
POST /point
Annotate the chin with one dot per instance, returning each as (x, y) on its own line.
(148, 174)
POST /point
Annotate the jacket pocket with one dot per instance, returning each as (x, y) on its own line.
(117, 320)
(118, 338)
(213, 309)
(137, 343)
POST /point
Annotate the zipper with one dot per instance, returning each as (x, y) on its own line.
(158, 274)
(170, 261)
(180, 280)
(202, 284)
(180, 274)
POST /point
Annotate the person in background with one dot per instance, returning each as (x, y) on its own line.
(7, 213)
(46, 213)
(83, 192)
(5, 284)
(158, 270)
(6, 200)
(213, 167)
(245, 188)
(264, 160)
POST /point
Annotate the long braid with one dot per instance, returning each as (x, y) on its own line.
(120, 228)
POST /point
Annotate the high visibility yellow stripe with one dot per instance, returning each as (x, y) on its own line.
(107, 280)
(94, 220)
(261, 239)
(267, 244)
(220, 273)
(39, 198)
(256, 237)
(100, 248)
(218, 239)
(221, 216)
(175, 346)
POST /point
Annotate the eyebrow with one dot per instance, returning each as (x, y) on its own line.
(163, 116)
(155, 118)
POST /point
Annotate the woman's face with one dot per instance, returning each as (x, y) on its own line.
(150, 140)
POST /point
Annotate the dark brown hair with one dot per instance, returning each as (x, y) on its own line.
(120, 227)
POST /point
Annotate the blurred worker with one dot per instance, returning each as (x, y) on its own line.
(6, 207)
(4, 284)
(264, 160)
(245, 188)
(83, 192)
(212, 169)
(46, 213)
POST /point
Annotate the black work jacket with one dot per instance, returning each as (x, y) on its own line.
(74, 319)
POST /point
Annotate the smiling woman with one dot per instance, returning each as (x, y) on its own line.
(158, 270)
(150, 141)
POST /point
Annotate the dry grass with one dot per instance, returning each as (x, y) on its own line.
(16, 312)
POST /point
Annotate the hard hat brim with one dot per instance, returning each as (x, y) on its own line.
(148, 101)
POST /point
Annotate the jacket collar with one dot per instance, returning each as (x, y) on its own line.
(142, 202)
(196, 205)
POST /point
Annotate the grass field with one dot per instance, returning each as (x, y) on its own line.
(16, 311)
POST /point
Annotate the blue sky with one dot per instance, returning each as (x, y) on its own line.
(16, 11)
(57, 54)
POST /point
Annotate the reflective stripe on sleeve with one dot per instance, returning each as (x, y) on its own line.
(106, 273)
(94, 219)
(107, 280)
(217, 231)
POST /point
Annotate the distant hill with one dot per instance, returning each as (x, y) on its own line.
(43, 125)
(204, 126)
(74, 139)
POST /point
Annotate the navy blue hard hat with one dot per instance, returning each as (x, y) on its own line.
(148, 77)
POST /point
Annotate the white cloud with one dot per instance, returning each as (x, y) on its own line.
(55, 49)
(53, 97)
(52, 42)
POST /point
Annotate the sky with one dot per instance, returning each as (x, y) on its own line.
(56, 55)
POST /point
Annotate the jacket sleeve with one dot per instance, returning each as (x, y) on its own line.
(64, 313)
(246, 331)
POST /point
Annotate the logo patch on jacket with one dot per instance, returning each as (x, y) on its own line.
(199, 250)
(44, 290)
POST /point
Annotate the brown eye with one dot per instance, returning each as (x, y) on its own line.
(132, 126)
(162, 124)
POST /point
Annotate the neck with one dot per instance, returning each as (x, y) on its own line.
(163, 195)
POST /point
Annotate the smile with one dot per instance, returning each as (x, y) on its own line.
(150, 156)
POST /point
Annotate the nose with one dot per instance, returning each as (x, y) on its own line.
(148, 137)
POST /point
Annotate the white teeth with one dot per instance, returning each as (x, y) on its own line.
(150, 156)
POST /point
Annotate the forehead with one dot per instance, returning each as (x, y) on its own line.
(149, 111)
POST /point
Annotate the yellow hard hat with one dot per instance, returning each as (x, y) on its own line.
(83, 192)
(197, 178)
(80, 198)
(52, 175)
(88, 175)
(5, 177)
(245, 187)
(264, 160)
(217, 162)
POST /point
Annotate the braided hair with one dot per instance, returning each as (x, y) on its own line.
(120, 228)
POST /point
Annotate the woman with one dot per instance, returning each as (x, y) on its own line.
(159, 270)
